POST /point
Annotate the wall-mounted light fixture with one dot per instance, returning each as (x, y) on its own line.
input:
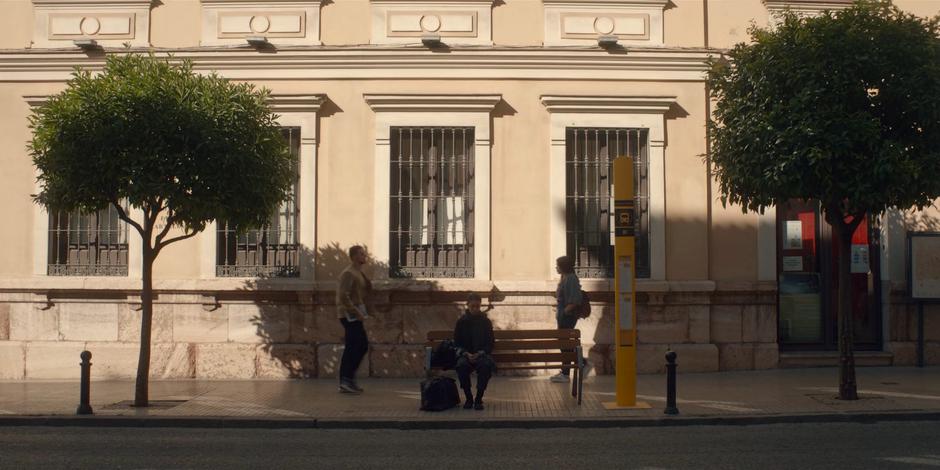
(431, 40)
(607, 41)
(258, 41)
(86, 44)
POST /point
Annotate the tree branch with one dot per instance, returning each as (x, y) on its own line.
(162, 245)
(166, 229)
(123, 215)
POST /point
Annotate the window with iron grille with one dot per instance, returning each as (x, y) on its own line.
(92, 244)
(431, 232)
(589, 197)
(271, 251)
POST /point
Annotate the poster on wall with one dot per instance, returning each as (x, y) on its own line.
(794, 235)
(792, 263)
(859, 259)
(924, 265)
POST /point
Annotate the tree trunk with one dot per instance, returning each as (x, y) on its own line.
(142, 390)
(847, 385)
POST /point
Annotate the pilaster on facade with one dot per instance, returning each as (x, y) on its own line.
(280, 22)
(767, 245)
(450, 21)
(457, 110)
(640, 112)
(581, 23)
(57, 23)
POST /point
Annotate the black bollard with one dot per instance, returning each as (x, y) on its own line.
(671, 384)
(84, 407)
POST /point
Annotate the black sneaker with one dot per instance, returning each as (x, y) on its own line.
(468, 404)
(477, 405)
(348, 387)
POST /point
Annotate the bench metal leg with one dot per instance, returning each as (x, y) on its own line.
(580, 373)
(574, 381)
(427, 361)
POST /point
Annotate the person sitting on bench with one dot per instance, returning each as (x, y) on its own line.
(473, 337)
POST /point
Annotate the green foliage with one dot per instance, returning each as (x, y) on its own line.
(843, 108)
(166, 139)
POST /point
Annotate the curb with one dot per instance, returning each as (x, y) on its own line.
(314, 423)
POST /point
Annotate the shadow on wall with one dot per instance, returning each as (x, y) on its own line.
(301, 335)
(927, 220)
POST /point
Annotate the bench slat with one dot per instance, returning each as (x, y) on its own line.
(534, 357)
(438, 335)
(527, 345)
(537, 366)
(537, 334)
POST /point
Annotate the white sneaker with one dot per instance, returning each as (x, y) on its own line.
(586, 372)
(559, 378)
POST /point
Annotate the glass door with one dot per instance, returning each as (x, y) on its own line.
(807, 280)
(800, 280)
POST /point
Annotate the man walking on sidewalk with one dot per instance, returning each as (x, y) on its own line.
(351, 296)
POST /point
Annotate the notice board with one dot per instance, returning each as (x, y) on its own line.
(924, 265)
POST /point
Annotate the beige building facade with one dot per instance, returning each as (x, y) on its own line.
(466, 144)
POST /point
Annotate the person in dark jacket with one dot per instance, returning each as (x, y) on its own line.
(473, 337)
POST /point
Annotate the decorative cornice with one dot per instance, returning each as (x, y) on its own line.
(261, 3)
(324, 63)
(418, 102)
(93, 3)
(279, 103)
(806, 6)
(607, 3)
(35, 101)
(608, 104)
(300, 103)
(427, 3)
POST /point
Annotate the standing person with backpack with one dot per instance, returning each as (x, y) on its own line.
(351, 294)
(569, 307)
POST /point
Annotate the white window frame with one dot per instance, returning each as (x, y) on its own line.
(298, 111)
(632, 112)
(417, 110)
(41, 232)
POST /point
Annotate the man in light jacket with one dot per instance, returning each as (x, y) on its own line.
(351, 296)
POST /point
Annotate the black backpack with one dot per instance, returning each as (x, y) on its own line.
(444, 356)
(439, 394)
(584, 308)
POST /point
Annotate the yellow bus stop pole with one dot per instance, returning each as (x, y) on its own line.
(625, 285)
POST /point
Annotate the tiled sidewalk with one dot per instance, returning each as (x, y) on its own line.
(725, 394)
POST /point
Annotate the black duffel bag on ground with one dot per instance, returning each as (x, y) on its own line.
(439, 394)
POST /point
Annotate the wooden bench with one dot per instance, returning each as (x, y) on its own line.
(528, 349)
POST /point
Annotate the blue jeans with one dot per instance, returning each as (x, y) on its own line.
(566, 322)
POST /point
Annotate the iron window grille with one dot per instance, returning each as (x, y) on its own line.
(589, 154)
(271, 251)
(87, 244)
(432, 177)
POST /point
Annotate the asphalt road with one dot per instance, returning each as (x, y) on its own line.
(784, 446)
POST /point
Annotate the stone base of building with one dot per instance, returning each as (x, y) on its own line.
(289, 334)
